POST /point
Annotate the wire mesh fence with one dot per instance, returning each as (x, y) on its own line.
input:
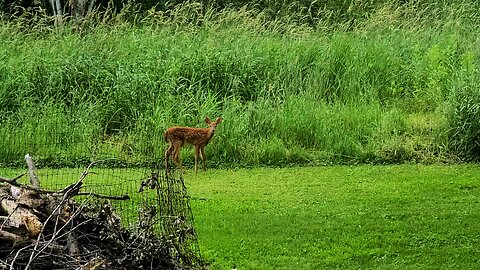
(156, 201)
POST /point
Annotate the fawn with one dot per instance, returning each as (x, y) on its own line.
(198, 137)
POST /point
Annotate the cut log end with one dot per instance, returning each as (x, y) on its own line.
(32, 171)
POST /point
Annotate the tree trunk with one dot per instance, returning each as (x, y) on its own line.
(57, 11)
(90, 6)
(79, 10)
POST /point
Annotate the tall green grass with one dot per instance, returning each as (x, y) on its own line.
(388, 88)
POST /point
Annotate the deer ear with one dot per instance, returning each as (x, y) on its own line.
(219, 120)
(207, 120)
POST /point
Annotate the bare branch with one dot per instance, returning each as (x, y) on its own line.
(14, 238)
(14, 183)
(11, 181)
(120, 198)
(72, 189)
(32, 172)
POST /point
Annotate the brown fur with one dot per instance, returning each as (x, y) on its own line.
(198, 137)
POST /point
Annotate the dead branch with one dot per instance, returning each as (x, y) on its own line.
(3, 265)
(151, 182)
(70, 191)
(70, 235)
(6, 222)
(32, 172)
(19, 215)
(17, 254)
(92, 264)
(11, 181)
(33, 255)
(73, 190)
(119, 198)
(12, 237)
(72, 244)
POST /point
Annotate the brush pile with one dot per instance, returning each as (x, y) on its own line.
(43, 229)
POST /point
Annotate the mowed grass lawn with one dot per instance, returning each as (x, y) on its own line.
(339, 217)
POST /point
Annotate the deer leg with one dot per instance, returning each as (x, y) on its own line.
(168, 153)
(176, 155)
(204, 158)
(197, 150)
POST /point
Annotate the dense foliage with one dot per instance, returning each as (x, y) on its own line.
(301, 11)
(397, 84)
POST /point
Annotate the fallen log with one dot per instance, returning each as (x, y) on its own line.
(14, 238)
(20, 216)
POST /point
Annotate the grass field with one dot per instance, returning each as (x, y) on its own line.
(397, 83)
(360, 217)
(330, 217)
